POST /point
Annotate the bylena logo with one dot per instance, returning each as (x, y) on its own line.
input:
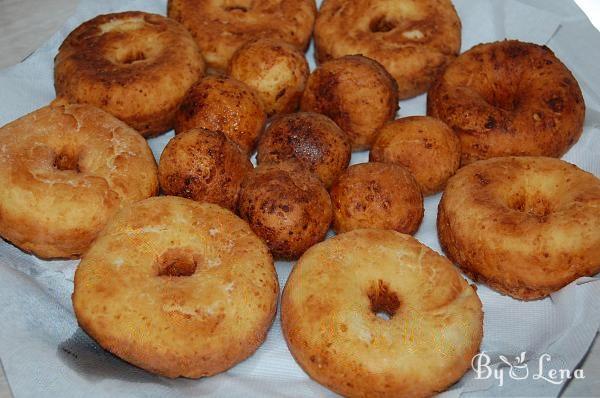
(521, 368)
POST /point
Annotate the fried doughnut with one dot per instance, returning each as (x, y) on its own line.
(176, 287)
(286, 206)
(205, 166)
(413, 39)
(509, 98)
(134, 65)
(220, 27)
(526, 226)
(427, 147)
(377, 195)
(310, 138)
(357, 93)
(226, 105)
(65, 170)
(374, 313)
(276, 70)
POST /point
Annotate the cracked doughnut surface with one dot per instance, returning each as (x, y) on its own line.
(134, 65)
(176, 287)
(526, 226)
(509, 98)
(375, 313)
(65, 169)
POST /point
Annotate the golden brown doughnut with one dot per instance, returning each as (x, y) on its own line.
(275, 69)
(226, 105)
(526, 226)
(413, 39)
(176, 287)
(310, 138)
(134, 65)
(64, 171)
(286, 206)
(374, 313)
(355, 92)
(220, 27)
(427, 147)
(377, 195)
(205, 166)
(509, 98)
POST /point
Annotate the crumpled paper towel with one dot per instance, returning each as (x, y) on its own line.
(44, 353)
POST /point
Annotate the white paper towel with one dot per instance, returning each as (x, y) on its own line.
(45, 354)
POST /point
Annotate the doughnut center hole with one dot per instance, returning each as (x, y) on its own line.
(535, 205)
(131, 56)
(239, 6)
(382, 24)
(66, 161)
(178, 263)
(384, 303)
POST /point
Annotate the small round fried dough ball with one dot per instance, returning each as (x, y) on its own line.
(310, 138)
(426, 146)
(223, 104)
(276, 70)
(377, 195)
(287, 207)
(203, 165)
(355, 92)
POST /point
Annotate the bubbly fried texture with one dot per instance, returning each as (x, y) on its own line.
(64, 171)
(427, 147)
(330, 307)
(177, 287)
(413, 39)
(357, 93)
(226, 105)
(310, 138)
(276, 70)
(221, 27)
(377, 195)
(526, 226)
(286, 206)
(509, 98)
(205, 166)
(134, 65)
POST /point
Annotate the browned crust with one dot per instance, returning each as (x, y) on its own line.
(312, 139)
(357, 93)
(220, 28)
(509, 98)
(286, 206)
(329, 346)
(178, 332)
(136, 66)
(414, 40)
(57, 213)
(205, 166)
(530, 242)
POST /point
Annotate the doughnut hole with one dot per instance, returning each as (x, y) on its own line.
(286, 206)
(178, 262)
(238, 6)
(312, 139)
(384, 303)
(276, 70)
(357, 93)
(376, 195)
(427, 147)
(382, 24)
(226, 105)
(66, 161)
(204, 166)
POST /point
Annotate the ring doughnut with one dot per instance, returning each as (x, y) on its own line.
(374, 313)
(526, 226)
(509, 98)
(221, 27)
(176, 287)
(413, 39)
(64, 171)
(134, 65)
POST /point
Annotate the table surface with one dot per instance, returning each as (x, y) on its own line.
(26, 24)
